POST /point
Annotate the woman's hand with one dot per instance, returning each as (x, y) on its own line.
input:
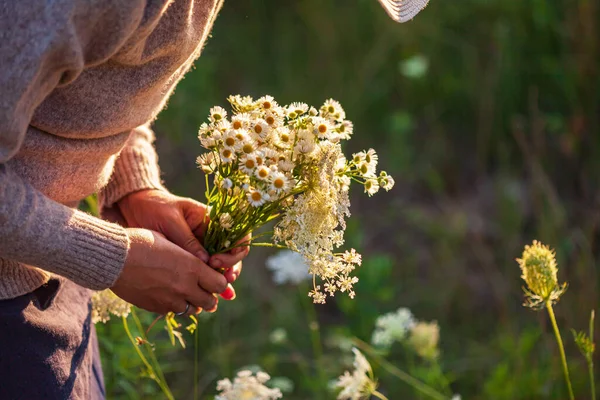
(160, 276)
(183, 221)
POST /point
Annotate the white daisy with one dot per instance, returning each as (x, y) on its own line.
(262, 172)
(229, 140)
(322, 128)
(386, 181)
(257, 198)
(247, 164)
(371, 186)
(304, 146)
(227, 155)
(260, 129)
(297, 108)
(333, 109)
(279, 182)
(360, 384)
(345, 129)
(267, 102)
(217, 114)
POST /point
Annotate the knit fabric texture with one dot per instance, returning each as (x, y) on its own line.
(81, 80)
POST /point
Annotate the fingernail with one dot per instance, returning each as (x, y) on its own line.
(229, 275)
(217, 263)
(203, 255)
(229, 293)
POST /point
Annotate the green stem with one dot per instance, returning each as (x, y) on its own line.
(561, 348)
(398, 373)
(196, 345)
(590, 358)
(379, 395)
(315, 335)
(151, 371)
(148, 347)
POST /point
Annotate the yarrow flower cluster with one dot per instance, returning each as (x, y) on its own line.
(285, 163)
(359, 384)
(247, 386)
(401, 326)
(539, 268)
(105, 303)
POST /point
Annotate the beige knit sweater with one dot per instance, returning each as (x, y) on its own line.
(80, 80)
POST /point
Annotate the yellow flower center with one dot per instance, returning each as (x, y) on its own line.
(250, 164)
(237, 124)
(217, 117)
(258, 128)
(229, 141)
(285, 138)
(263, 173)
(278, 183)
(364, 168)
(227, 153)
(270, 120)
(322, 128)
(266, 105)
(331, 109)
(248, 148)
(256, 196)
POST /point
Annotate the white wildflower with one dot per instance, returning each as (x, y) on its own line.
(105, 303)
(371, 186)
(386, 181)
(392, 327)
(262, 172)
(360, 383)
(217, 114)
(248, 163)
(279, 182)
(227, 155)
(288, 267)
(257, 197)
(226, 221)
(247, 386)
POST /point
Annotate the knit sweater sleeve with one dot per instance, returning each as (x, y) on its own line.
(44, 45)
(136, 168)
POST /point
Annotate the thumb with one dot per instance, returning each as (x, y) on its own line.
(180, 233)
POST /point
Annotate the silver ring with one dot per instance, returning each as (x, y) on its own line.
(187, 308)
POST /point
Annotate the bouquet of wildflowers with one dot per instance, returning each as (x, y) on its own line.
(285, 164)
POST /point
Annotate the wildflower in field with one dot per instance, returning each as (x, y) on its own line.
(285, 163)
(288, 267)
(392, 327)
(539, 271)
(360, 384)
(424, 338)
(538, 265)
(105, 303)
(247, 386)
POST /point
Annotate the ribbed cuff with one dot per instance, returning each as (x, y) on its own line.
(96, 252)
(134, 170)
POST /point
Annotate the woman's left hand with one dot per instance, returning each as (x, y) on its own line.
(183, 221)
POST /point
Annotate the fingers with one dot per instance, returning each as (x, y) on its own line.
(231, 274)
(210, 280)
(179, 232)
(202, 299)
(229, 293)
(196, 216)
(231, 258)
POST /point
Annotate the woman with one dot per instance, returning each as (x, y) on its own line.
(80, 82)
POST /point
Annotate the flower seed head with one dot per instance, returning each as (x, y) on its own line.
(538, 265)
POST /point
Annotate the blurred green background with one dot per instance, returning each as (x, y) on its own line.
(487, 114)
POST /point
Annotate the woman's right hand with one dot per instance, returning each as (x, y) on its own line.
(159, 276)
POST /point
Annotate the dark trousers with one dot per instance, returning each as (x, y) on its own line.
(48, 345)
